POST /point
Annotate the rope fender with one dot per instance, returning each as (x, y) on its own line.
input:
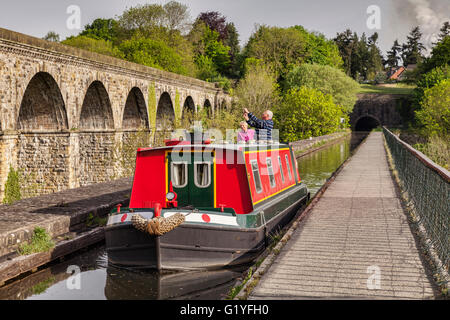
(157, 226)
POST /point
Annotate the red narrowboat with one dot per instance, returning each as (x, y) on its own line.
(230, 197)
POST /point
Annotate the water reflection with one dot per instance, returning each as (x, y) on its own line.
(317, 167)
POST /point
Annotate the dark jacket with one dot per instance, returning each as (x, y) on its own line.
(263, 128)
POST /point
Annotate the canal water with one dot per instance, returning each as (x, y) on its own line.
(87, 275)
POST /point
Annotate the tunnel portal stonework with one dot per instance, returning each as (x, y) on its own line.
(63, 110)
(384, 108)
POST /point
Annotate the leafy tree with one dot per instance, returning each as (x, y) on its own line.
(176, 16)
(206, 68)
(320, 50)
(153, 53)
(100, 46)
(326, 79)
(51, 36)
(306, 112)
(279, 48)
(106, 29)
(258, 90)
(141, 20)
(347, 43)
(434, 115)
(412, 49)
(440, 56)
(427, 81)
(216, 22)
(375, 61)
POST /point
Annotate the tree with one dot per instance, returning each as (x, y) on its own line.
(141, 20)
(176, 16)
(258, 90)
(412, 49)
(106, 29)
(326, 79)
(279, 48)
(216, 22)
(347, 43)
(306, 112)
(445, 31)
(232, 41)
(434, 115)
(51, 36)
(375, 59)
(393, 55)
(440, 56)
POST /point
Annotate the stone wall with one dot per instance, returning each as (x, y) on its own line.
(63, 110)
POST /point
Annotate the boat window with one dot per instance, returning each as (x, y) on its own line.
(281, 169)
(288, 167)
(202, 174)
(256, 177)
(179, 174)
(270, 172)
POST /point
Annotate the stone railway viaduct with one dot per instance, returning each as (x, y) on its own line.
(62, 109)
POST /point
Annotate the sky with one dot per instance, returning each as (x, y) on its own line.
(396, 17)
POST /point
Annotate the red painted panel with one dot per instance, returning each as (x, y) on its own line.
(149, 180)
(261, 157)
(231, 182)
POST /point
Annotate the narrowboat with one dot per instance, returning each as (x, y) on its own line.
(231, 198)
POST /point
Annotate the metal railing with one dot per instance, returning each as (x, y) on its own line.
(427, 186)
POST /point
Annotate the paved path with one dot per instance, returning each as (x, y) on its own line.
(357, 231)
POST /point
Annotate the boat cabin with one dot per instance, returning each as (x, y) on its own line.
(216, 177)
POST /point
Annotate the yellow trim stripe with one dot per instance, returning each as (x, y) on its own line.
(274, 194)
(215, 181)
(271, 150)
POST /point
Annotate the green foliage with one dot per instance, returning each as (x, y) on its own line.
(440, 56)
(437, 149)
(326, 79)
(306, 112)
(51, 36)
(258, 91)
(434, 115)
(153, 53)
(95, 45)
(12, 187)
(102, 29)
(428, 80)
(40, 242)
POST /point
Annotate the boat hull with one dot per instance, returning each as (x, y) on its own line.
(198, 246)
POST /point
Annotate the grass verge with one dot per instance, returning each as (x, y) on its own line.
(40, 242)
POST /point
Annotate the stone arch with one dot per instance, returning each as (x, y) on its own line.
(367, 123)
(135, 112)
(42, 106)
(189, 105)
(208, 107)
(165, 114)
(96, 111)
(43, 142)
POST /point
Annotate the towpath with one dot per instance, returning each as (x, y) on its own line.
(355, 243)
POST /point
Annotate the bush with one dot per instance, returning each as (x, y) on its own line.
(434, 116)
(153, 53)
(12, 187)
(40, 242)
(95, 45)
(326, 79)
(306, 112)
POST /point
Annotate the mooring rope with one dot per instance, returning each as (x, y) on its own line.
(157, 226)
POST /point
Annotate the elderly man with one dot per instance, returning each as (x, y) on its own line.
(263, 127)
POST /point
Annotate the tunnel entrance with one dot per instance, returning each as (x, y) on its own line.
(367, 123)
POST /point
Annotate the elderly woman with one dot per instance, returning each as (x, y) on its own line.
(245, 134)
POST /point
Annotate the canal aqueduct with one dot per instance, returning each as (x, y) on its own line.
(62, 109)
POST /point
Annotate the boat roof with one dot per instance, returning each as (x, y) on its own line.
(256, 146)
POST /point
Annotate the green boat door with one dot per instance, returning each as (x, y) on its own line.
(192, 177)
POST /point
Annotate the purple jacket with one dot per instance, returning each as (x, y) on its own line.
(246, 136)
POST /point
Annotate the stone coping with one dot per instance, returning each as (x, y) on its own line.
(59, 213)
(23, 39)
